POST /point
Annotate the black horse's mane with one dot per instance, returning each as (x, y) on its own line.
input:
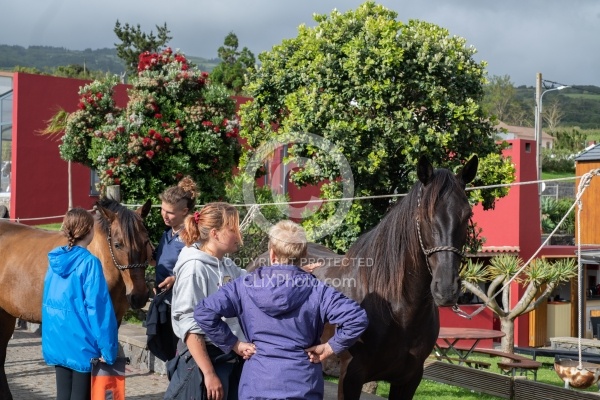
(392, 247)
(129, 221)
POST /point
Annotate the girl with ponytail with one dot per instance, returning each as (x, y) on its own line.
(202, 269)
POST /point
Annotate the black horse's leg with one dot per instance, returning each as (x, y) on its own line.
(7, 327)
(352, 377)
(407, 390)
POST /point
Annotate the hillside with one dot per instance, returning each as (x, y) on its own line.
(46, 58)
(580, 105)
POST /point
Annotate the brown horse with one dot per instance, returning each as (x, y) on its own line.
(400, 272)
(121, 243)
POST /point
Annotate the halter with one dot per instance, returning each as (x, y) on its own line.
(432, 250)
(119, 266)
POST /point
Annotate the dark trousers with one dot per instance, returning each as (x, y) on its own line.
(72, 385)
(186, 380)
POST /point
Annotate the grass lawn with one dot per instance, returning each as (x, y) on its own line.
(51, 227)
(557, 175)
(430, 390)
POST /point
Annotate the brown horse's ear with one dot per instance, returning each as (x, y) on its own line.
(469, 171)
(424, 170)
(106, 213)
(144, 210)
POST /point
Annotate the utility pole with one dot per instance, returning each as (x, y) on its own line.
(538, 130)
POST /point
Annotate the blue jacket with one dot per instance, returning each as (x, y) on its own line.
(166, 255)
(78, 319)
(282, 310)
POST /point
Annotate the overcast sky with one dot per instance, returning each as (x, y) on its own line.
(519, 38)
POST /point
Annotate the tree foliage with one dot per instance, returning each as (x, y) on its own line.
(500, 100)
(176, 123)
(134, 42)
(384, 92)
(232, 69)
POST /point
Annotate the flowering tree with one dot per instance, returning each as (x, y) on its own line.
(176, 123)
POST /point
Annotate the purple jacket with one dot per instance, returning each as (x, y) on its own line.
(282, 310)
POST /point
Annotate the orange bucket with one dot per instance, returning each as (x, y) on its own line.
(108, 381)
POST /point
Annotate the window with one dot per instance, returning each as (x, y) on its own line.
(6, 108)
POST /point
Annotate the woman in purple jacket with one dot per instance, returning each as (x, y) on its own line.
(282, 310)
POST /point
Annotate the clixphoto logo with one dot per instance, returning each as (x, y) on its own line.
(328, 153)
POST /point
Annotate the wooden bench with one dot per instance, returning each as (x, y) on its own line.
(516, 364)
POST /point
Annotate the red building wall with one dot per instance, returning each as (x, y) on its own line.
(39, 176)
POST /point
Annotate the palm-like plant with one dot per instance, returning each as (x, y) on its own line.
(539, 278)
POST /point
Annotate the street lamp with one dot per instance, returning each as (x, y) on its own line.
(538, 126)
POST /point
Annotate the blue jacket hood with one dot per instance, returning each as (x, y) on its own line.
(78, 318)
(62, 259)
(278, 289)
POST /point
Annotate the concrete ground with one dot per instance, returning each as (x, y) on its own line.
(31, 379)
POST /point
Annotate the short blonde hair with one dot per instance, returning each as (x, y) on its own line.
(288, 242)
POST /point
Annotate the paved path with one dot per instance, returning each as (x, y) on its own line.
(31, 379)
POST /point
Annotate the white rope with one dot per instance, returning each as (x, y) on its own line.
(383, 196)
(249, 217)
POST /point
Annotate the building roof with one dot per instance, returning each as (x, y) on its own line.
(589, 154)
(590, 256)
(491, 251)
(523, 132)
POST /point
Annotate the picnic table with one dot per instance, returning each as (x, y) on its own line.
(454, 337)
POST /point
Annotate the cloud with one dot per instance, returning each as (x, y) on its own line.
(518, 38)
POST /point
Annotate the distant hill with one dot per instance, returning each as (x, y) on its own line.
(46, 58)
(579, 104)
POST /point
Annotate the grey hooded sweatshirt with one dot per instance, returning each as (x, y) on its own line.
(198, 275)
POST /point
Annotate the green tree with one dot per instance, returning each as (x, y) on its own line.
(176, 123)
(134, 42)
(234, 65)
(500, 101)
(384, 92)
(539, 278)
(573, 140)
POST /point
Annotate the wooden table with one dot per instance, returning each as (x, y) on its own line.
(453, 336)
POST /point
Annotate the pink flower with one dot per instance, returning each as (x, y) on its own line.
(158, 116)
(149, 154)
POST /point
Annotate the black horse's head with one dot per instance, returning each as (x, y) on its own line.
(443, 219)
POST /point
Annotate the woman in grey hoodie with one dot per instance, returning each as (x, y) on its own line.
(202, 269)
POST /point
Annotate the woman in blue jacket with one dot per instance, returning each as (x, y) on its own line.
(78, 319)
(282, 310)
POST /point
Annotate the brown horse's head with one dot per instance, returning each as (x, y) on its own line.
(443, 218)
(122, 243)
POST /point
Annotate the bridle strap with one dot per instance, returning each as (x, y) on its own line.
(428, 252)
(119, 266)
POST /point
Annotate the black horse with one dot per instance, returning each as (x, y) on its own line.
(400, 272)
